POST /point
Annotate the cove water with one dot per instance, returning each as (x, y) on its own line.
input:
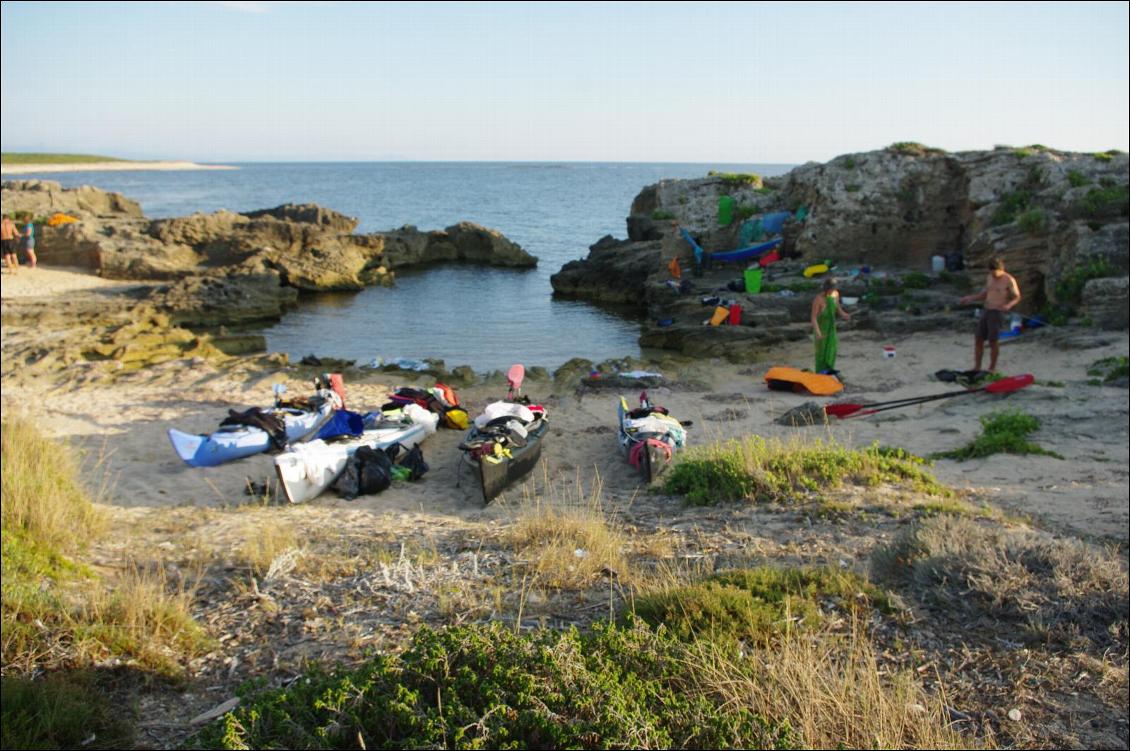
(466, 315)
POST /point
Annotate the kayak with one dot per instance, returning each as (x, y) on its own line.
(236, 442)
(504, 445)
(305, 470)
(648, 438)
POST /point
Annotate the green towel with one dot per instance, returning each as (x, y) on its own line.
(826, 346)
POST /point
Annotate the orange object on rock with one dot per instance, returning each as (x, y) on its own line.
(673, 267)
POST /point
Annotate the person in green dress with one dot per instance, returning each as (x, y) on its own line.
(824, 310)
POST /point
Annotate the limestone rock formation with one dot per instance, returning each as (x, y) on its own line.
(47, 197)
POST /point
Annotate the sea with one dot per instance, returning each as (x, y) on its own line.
(466, 315)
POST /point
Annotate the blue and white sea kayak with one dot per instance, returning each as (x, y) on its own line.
(229, 444)
(307, 469)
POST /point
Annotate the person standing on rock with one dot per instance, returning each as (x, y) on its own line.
(29, 241)
(9, 238)
(824, 310)
(1001, 294)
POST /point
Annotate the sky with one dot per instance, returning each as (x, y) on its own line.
(654, 82)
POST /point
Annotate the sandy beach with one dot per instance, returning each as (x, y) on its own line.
(28, 169)
(1083, 493)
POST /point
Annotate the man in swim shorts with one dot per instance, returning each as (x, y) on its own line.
(1000, 295)
(9, 239)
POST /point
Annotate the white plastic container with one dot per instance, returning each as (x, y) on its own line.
(938, 264)
(1016, 323)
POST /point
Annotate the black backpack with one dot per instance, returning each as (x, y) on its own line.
(368, 471)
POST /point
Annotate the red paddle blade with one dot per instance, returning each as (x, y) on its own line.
(514, 377)
(843, 409)
(1010, 384)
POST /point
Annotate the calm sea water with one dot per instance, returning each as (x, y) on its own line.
(485, 318)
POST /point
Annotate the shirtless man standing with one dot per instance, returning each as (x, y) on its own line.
(1000, 295)
(10, 238)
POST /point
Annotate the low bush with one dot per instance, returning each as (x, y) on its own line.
(1001, 433)
(736, 179)
(1063, 590)
(483, 686)
(750, 606)
(758, 469)
(1107, 202)
(1033, 221)
(1110, 369)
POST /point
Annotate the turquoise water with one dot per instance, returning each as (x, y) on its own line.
(486, 318)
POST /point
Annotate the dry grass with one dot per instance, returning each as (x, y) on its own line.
(56, 612)
(267, 543)
(831, 690)
(1057, 590)
(42, 497)
(570, 543)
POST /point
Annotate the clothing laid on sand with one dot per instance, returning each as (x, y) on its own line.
(826, 344)
(989, 324)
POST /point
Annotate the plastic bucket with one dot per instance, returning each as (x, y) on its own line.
(938, 264)
(753, 281)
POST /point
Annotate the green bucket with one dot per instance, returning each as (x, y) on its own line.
(753, 280)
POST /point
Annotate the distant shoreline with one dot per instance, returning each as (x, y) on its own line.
(25, 169)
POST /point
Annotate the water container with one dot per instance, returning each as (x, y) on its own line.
(1016, 323)
(938, 264)
(753, 281)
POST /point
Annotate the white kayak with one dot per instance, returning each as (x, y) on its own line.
(307, 469)
(236, 442)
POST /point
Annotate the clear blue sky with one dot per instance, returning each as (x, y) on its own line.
(710, 82)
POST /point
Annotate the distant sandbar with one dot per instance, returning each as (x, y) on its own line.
(25, 169)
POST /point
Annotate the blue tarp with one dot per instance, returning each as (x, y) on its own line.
(771, 224)
(343, 422)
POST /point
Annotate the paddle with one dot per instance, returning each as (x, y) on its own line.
(514, 377)
(1003, 386)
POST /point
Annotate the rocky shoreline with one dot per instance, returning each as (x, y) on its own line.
(1060, 220)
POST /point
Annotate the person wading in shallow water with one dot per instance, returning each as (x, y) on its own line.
(824, 310)
(1000, 295)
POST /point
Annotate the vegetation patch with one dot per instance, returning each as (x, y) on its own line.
(1106, 202)
(34, 158)
(483, 686)
(1001, 433)
(1034, 222)
(1011, 205)
(661, 215)
(737, 179)
(1069, 288)
(771, 470)
(1061, 590)
(1110, 369)
(912, 148)
(58, 618)
(916, 280)
(62, 711)
(570, 546)
(750, 606)
(1077, 179)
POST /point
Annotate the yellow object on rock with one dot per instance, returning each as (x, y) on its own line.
(58, 219)
(815, 270)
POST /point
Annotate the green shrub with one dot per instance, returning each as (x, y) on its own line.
(757, 469)
(1033, 221)
(852, 188)
(1105, 203)
(1001, 433)
(1076, 178)
(483, 686)
(849, 163)
(1069, 289)
(661, 214)
(746, 211)
(1011, 205)
(735, 179)
(61, 711)
(749, 606)
(1110, 369)
(912, 148)
(915, 280)
(1103, 156)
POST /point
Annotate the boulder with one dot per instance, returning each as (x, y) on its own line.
(1105, 302)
